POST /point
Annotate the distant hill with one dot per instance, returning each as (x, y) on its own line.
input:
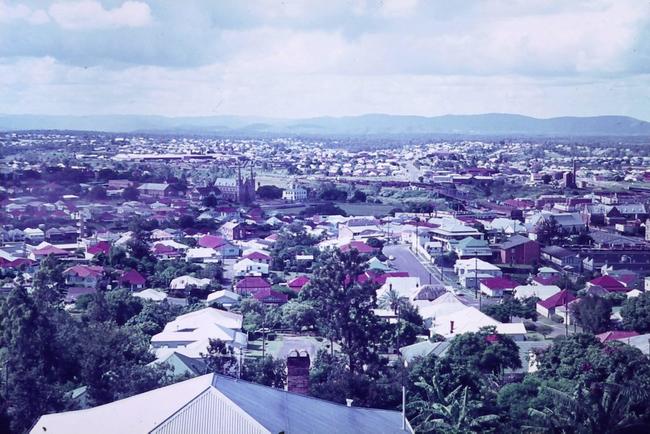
(370, 124)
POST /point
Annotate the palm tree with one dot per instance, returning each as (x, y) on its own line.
(391, 300)
(454, 413)
(603, 408)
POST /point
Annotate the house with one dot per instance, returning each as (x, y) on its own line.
(407, 287)
(470, 271)
(34, 235)
(179, 365)
(132, 279)
(259, 257)
(233, 230)
(224, 297)
(183, 282)
(561, 257)
(154, 190)
(568, 222)
(99, 248)
(200, 326)
(247, 267)
(296, 284)
(270, 296)
(294, 193)
(547, 276)
(212, 404)
(548, 306)
(518, 250)
(470, 320)
(87, 276)
(609, 283)
(470, 247)
(359, 246)
(202, 254)
(220, 244)
(453, 231)
(251, 284)
(616, 335)
(539, 291)
(151, 295)
(496, 286)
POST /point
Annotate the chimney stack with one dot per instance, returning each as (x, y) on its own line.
(451, 327)
(298, 372)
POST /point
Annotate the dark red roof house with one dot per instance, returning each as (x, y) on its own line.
(101, 247)
(615, 335)
(269, 296)
(258, 257)
(212, 241)
(251, 284)
(496, 286)
(562, 298)
(359, 246)
(609, 283)
(132, 279)
(298, 283)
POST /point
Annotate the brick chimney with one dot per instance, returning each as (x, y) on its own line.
(298, 372)
(451, 327)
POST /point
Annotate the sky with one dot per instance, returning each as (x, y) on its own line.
(305, 58)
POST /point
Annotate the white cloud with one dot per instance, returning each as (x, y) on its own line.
(10, 13)
(88, 14)
(398, 8)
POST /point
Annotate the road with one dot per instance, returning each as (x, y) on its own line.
(428, 273)
(406, 261)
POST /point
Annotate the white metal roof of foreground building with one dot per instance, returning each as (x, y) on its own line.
(213, 404)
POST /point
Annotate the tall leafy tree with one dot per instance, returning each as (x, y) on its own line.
(593, 314)
(636, 313)
(32, 383)
(345, 306)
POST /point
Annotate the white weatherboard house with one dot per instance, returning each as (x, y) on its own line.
(471, 271)
(248, 267)
(200, 326)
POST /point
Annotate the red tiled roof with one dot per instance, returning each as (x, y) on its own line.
(253, 282)
(298, 282)
(49, 250)
(359, 246)
(609, 283)
(257, 256)
(85, 270)
(211, 241)
(498, 283)
(269, 295)
(101, 247)
(551, 280)
(132, 277)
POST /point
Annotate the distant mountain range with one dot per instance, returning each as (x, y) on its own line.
(370, 124)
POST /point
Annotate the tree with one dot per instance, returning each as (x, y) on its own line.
(220, 358)
(97, 193)
(266, 370)
(344, 305)
(593, 314)
(31, 371)
(269, 192)
(455, 412)
(49, 283)
(606, 408)
(114, 362)
(484, 351)
(130, 193)
(210, 201)
(549, 231)
(636, 313)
